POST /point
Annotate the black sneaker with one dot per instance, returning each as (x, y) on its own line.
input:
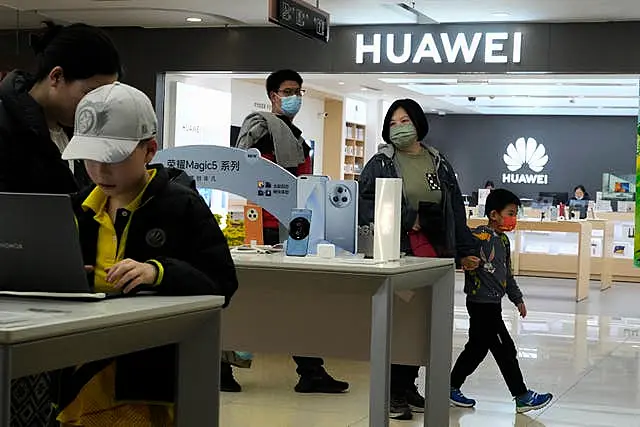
(321, 383)
(415, 400)
(399, 408)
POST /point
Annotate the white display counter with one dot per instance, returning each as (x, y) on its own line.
(37, 335)
(397, 311)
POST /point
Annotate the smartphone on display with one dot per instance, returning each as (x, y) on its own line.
(311, 195)
(253, 225)
(299, 229)
(342, 215)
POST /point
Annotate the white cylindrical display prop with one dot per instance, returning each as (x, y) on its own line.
(387, 220)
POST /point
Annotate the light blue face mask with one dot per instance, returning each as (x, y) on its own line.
(291, 105)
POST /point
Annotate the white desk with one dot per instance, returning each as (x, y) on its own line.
(43, 335)
(332, 308)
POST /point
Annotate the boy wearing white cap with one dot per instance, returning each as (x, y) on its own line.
(138, 230)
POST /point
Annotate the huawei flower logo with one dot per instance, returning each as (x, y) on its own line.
(527, 152)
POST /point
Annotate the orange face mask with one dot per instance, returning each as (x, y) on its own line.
(509, 223)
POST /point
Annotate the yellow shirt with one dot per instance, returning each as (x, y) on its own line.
(110, 249)
(95, 405)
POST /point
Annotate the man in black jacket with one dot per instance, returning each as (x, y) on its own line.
(138, 230)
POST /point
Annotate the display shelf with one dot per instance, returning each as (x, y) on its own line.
(354, 150)
(552, 249)
(552, 252)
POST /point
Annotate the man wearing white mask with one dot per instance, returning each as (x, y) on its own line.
(279, 140)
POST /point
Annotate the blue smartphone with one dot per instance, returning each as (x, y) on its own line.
(311, 194)
(299, 229)
(342, 215)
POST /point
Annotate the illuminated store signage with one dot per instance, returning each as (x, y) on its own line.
(438, 48)
(525, 153)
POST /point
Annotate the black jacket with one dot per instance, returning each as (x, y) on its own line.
(31, 162)
(383, 165)
(174, 226)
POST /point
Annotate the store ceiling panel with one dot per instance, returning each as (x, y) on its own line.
(12, 18)
(170, 13)
(479, 94)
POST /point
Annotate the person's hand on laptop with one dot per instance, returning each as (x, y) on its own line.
(129, 274)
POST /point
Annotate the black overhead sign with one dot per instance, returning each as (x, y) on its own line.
(301, 17)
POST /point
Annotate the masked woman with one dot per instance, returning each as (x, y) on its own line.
(433, 215)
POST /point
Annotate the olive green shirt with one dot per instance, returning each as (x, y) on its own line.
(413, 170)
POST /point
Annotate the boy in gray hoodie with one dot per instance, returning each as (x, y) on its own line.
(485, 287)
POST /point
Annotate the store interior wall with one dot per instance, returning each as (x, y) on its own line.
(580, 148)
(246, 97)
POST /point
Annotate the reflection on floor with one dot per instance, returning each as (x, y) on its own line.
(589, 360)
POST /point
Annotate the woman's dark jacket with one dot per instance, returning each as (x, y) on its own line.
(31, 161)
(456, 232)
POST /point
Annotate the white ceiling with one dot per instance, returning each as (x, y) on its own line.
(170, 13)
(494, 94)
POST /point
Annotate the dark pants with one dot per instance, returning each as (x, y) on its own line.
(487, 332)
(403, 378)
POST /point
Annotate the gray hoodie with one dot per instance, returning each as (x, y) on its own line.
(288, 149)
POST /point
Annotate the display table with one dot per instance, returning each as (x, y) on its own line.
(45, 335)
(400, 312)
(620, 247)
(537, 250)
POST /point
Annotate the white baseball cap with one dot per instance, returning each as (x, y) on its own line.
(110, 123)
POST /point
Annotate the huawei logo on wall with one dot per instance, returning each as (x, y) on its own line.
(525, 153)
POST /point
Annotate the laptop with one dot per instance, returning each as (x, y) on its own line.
(40, 253)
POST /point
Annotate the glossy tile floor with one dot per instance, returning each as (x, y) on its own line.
(587, 354)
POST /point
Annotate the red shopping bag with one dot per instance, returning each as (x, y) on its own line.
(420, 245)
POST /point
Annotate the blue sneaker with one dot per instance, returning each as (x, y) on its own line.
(460, 400)
(532, 401)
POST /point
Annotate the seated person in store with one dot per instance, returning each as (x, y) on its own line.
(580, 193)
(434, 222)
(280, 141)
(138, 231)
(485, 287)
(489, 185)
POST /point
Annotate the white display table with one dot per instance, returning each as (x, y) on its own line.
(44, 335)
(537, 250)
(400, 311)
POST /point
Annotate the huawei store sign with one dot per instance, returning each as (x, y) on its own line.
(498, 48)
(525, 153)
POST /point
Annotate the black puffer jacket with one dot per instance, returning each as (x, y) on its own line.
(383, 165)
(175, 227)
(31, 162)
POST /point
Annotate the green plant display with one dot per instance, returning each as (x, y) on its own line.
(234, 231)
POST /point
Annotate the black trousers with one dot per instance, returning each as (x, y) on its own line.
(487, 332)
(403, 378)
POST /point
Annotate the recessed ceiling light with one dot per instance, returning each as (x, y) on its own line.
(194, 19)
(501, 14)
(364, 89)
(341, 83)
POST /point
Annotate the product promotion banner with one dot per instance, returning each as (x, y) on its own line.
(636, 252)
(241, 172)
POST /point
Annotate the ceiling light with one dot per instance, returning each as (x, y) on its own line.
(364, 89)
(194, 19)
(341, 83)
(501, 14)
